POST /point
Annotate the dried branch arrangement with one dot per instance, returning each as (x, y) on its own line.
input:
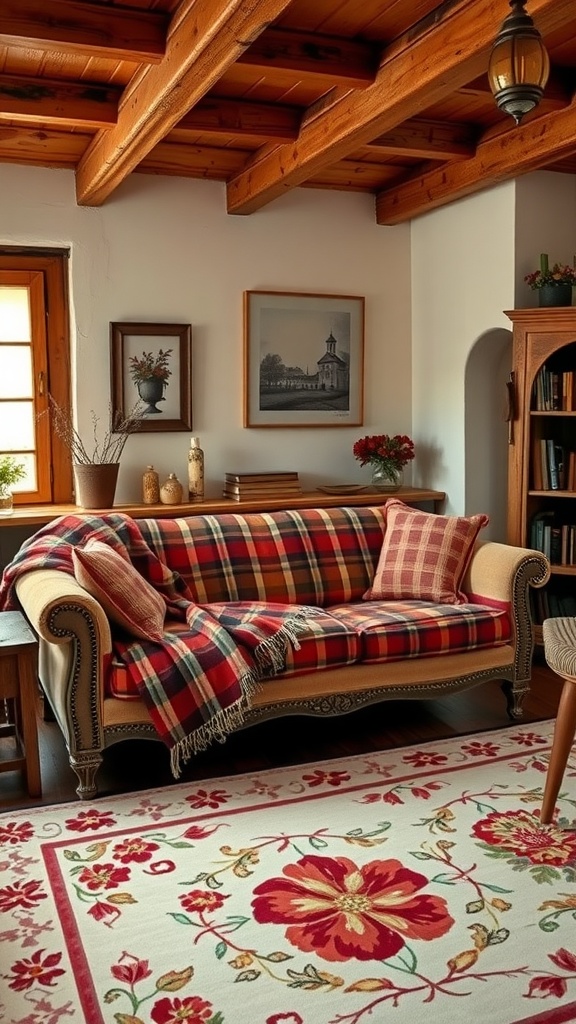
(107, 447)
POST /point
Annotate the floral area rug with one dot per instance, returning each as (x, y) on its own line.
(358, 891)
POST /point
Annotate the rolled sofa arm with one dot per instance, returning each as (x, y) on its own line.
(75, 641)
(503, 572)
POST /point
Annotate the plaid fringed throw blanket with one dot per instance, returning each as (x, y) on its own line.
(198, 682)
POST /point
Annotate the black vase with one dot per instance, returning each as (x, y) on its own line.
(555, 295)
(151, 391)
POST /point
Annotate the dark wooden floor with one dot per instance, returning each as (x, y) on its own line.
(132, 766)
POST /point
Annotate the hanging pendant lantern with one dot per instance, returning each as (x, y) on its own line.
(519, 66)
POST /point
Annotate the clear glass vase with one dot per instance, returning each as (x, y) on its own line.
(386, 478)
(6, 500)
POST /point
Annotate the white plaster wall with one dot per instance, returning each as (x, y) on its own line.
(545, 222)
(462, 280)
(165, 250)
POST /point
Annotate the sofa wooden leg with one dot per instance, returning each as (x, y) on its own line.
(514, 698)
(86, 766)
(564, 732)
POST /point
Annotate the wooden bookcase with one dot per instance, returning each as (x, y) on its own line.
(541, 468)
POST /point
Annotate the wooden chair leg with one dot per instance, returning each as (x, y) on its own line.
(564, 732)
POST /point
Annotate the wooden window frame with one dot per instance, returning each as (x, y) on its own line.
(53, 265)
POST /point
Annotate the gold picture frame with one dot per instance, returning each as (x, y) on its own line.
(303, 359)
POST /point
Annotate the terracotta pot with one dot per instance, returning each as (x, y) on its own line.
(96, 484)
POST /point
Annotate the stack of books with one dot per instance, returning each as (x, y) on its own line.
(241, 486)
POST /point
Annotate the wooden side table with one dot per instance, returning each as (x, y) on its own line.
(18, 659)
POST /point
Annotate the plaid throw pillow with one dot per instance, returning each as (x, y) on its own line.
(423, 556)
(126, 597)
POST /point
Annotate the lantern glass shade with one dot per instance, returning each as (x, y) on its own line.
(519, 65)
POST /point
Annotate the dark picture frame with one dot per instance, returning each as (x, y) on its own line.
(161, 355)
(303, 359)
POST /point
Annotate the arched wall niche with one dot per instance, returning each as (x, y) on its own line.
(486, 429)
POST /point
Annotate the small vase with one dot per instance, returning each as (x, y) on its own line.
(6, 500)
(555, 295)
(171, 491)
(386, 479)
(151, 391)
(150, 486)
(195, 471)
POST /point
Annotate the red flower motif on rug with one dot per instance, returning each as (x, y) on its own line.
(15, 834)
(191, 1010)
(103, 876)
(91, 820)
(37, 970)
(341, 911)
(520, 834)
(26, 895)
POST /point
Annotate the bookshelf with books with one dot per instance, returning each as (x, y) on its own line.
(542, 450)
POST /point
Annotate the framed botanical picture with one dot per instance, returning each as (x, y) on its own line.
(151, 368)
(303, 359)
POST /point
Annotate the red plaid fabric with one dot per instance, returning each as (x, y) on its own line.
(424, 556)
(197, 684)
(312, 556)
(394, 630)
(326, 643)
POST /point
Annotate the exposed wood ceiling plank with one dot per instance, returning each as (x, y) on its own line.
(193, 161)
(58, 149)
(87, 104)
(428, 64)
(238, 118)
(331, 58)
(199, 49)
(83, 28)
(427, 140)
(498, 159)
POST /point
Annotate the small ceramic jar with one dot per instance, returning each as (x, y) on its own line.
(150, 486)
(171, 491)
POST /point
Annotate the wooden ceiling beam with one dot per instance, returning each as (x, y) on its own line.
(200, 48)
(427, 140)
(82, 104)
(424, 66)
(84, 29)
(501, 158)
(240, 118)
(310, 55)
(557, 91)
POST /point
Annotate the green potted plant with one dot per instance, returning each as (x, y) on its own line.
(11, 471)
(554, 284)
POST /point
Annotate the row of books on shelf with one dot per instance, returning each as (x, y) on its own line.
(553, 466)
(553, 391)
(242, 486)
(549, 605)
(555, 540)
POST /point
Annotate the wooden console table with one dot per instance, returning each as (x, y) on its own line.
(38, 515)
(18, 654)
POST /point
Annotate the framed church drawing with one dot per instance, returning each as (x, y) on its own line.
(303, 359)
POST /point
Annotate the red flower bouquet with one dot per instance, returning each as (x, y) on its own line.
(382, 450)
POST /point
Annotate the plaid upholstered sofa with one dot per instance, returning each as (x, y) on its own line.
(392, 603)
